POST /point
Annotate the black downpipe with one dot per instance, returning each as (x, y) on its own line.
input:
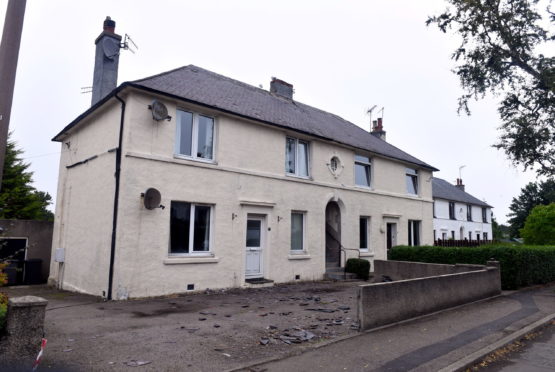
(116, 200)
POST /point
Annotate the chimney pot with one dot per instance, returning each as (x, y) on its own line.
(281, 88)
(109, 25)
(459, 184)
(377, 129)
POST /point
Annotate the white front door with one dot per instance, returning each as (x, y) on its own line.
(254, 245)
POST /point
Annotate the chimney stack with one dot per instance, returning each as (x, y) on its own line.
(459, 184)
(281, 88)
(377, 129)
(106, 61)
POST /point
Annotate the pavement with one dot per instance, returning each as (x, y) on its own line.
(297, 327)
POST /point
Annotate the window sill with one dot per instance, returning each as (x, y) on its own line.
(190, 158)
(366, 254)
(306, 178)
(298, 256)
(190, 260)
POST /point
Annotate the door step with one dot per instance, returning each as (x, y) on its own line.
(258, 283)
(338, 273)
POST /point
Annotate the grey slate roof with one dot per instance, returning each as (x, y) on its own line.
(195, 84)
(442, 189)
(200, 85)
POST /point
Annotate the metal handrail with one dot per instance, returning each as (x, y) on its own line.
(343, 250)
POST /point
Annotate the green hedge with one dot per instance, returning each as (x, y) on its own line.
(520, 265)
(358, 266)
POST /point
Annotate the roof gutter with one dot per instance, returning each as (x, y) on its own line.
(116, 192)
(59, 137)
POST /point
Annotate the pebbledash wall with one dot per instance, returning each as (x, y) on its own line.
(460, 225)
(247, 177)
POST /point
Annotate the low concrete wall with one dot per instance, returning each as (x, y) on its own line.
(400, 270)
(21, 342)
(384, 303)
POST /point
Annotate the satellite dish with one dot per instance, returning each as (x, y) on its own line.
(152, 199)
(110, 47)
(159, 111)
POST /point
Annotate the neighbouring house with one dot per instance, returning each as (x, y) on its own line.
(189, 180)
(459, 215)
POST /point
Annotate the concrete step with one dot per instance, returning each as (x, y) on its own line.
(259, 283)
(339, 275)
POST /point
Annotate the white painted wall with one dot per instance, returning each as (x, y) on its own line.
(247, 177)
(83, 217)
(442, 223)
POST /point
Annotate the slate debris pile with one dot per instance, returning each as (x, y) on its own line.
(324, 326)
(296, 335)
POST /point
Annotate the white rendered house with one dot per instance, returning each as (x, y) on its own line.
(459, 215)
(253, 186)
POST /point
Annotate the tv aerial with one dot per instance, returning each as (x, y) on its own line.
(128, 44)
(369, 113)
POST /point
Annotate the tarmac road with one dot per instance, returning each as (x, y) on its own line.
(537, 356)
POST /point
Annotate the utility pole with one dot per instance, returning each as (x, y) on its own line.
(9, 53)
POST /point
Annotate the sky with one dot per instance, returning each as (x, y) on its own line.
(342, 57)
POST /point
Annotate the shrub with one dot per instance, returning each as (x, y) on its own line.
(539, 227)
(358, 266)
(520, 265)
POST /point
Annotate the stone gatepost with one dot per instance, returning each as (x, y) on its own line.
(24, 329)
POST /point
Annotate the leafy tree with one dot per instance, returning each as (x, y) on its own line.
(531, 195)
(18, 198)
(499, 231)
(500, 53)
(540, 225)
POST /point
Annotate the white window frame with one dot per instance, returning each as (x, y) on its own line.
(407, 174)
(209, 252)
(299, 251)
(367, 249)
(194, 138)
(308, 160)
(365, 164)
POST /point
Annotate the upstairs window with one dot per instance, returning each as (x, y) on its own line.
(362, 170)
(469, 213)
(484, 214)
(296, 157)
(411, 176)
(190, 228)
(195, 135)
(452, 211)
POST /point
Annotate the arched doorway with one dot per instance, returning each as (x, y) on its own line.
(333, 235)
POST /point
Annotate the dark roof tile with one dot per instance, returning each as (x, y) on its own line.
(442, 189)
(196, 84)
